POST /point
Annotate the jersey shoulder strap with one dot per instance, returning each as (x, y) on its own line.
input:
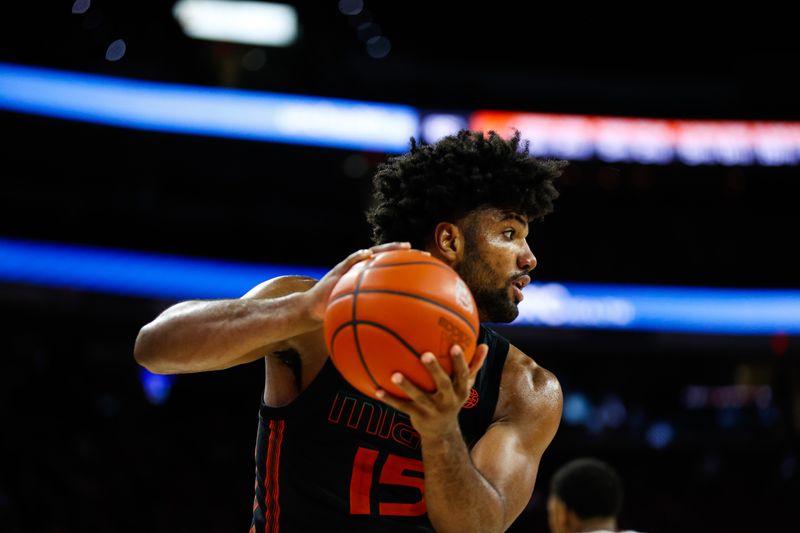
(478, 412)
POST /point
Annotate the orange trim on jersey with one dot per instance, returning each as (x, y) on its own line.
(272, 509)
(277, 467)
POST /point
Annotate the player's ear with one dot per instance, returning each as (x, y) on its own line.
(448, 242)
(556, 515)
(571, 520)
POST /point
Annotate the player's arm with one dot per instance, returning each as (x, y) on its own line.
(494, 481)
(508, 455)
(197, 336)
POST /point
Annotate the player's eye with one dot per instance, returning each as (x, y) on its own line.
(509, 233)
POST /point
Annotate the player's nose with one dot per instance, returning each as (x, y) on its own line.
(526, 260)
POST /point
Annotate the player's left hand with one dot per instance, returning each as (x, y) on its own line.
(436, 412)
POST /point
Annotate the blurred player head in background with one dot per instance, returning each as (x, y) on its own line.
(585, 495)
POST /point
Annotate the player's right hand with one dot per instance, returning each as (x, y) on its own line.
(318, 295)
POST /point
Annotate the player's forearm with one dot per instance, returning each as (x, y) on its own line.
(208, 335)
(458, 498)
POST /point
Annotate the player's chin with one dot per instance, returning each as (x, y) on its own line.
(513, 312)
(509, 315)
(516, 299)
(507, 311)
(498, 307)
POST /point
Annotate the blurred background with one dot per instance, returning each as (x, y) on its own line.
(159, 151)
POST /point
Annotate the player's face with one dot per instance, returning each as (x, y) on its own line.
(496, 262)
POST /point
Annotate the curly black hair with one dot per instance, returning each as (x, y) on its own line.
(588, 487)
(446, 180)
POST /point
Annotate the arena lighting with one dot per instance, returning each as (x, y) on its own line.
(133, 273)
(384, 128)
(650, 141)
(434, 126)
(156, 387)
(258, 23)
(575, 305)
(196, 110)
(659, 308)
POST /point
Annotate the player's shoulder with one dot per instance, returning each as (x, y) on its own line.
(529, 388)
(281, 286)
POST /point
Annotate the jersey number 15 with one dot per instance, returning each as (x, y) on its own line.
(393, 472)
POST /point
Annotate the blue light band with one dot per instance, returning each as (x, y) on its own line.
(622, 307)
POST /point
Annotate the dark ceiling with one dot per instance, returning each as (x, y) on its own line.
(447, 55)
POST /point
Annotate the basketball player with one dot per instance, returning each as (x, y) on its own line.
(585, 495)
(463, 458)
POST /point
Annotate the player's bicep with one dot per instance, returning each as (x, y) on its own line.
(280, 286)
(509, 460)
(273, 288)
(509, 453)
(253, 355)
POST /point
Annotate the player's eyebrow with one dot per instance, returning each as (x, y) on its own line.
(514, 216)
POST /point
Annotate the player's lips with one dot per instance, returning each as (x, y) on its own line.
(519, 284)
(522, 281)
(518, 296)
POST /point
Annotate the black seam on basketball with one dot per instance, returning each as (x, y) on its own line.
(409, 295)
(340, 328)
(355, 324)
(391, 332)
(432, 263)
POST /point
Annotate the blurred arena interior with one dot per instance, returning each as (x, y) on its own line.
(703, 423)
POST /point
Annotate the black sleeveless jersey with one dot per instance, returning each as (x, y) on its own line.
(337, 459)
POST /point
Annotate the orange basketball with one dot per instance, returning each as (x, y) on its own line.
(389, 310)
